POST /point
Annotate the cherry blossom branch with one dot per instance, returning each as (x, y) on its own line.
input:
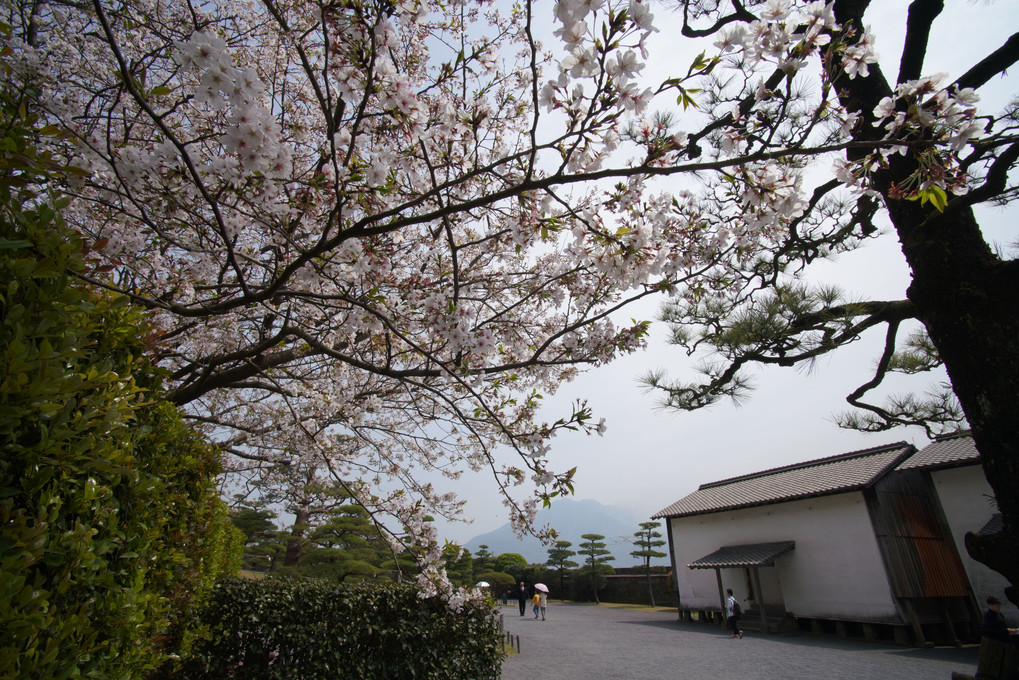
(128, 82)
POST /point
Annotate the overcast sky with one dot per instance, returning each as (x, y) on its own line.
(648, 458)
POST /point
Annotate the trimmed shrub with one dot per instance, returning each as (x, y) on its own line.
(378, 630)
(110, 525)
(498, 582)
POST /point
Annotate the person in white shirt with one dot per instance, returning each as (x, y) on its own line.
(732, 610)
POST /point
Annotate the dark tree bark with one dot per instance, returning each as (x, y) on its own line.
(297, 540)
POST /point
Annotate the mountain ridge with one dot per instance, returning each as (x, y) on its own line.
(570, 518)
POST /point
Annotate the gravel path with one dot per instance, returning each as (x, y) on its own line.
(589, 642)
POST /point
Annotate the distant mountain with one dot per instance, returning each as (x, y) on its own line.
(571, 519)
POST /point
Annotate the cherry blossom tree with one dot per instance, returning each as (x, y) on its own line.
(362, 257)
(373, 235)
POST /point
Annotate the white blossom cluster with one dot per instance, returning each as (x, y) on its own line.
(252, 135)
(928, 121)
(591, 68)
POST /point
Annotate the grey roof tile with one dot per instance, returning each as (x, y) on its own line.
(751, 555)
(993, 526)
(837, 474)
(945, 452)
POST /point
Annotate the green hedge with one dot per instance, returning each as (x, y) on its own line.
(306, 630)
(110, 525)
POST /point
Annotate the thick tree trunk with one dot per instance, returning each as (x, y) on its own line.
(967, 299)
(297, 541)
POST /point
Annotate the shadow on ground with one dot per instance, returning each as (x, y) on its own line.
(964, 655)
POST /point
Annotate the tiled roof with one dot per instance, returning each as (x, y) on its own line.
(993, 526)
(755, 555)
(837, 474)
(945, 452)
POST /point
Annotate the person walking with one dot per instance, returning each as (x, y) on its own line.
(542, 602)
(522, 597)
(994, 623)
(536, 603)
(733, 611)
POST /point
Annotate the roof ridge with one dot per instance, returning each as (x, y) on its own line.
(806, 464)
(958, 434)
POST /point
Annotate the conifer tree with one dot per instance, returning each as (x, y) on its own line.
(596, 559)
(647, 540)
(559, 559)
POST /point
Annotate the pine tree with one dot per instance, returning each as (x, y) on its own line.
(647, 539)
(596, 559)
(559, 559)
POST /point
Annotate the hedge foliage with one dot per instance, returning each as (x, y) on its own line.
(110, 525)
(307, 630)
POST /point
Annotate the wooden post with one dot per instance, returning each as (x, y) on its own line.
(672, 558)
(914, 621)
(946, 616)
(760, 600)
(721, 595)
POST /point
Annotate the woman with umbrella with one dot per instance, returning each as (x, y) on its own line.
(542, 598)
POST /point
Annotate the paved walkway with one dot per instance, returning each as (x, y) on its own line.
(588, 642)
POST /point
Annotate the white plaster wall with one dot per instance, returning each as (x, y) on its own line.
(835, 571)
(968, 503)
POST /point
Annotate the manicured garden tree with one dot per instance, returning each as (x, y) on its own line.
(264, 547)
(374, 235)
(559, 559)
(111, 528)
(535, 573)
(596, 561)
(498, 582)
(646, 541)
(306, 492)
(347, 545)
(324, 515)
(484, 560)
(512, 563)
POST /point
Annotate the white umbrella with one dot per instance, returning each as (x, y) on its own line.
(481, 584)
(541, 586)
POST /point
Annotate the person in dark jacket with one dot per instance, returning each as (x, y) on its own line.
(522, 597)
(994, 622)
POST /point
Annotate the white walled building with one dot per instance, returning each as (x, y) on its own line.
(866, 544)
